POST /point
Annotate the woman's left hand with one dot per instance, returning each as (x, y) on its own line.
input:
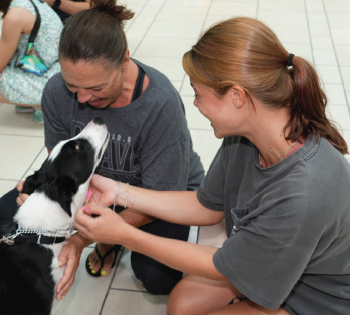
(106, 227)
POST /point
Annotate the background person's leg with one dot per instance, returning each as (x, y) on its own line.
(8, 205)
(157, 278)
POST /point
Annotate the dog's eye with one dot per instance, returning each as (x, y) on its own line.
(77, 146)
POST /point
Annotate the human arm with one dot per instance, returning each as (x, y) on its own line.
(70, 257)
(109, 228)
(181, 207)
(15, 22)
(69, 6)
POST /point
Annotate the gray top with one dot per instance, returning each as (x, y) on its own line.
(288, 225)
(150, 144)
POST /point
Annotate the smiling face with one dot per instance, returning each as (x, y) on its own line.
(221, 111)
(96, 82)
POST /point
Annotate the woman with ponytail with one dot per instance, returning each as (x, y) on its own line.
(280, 180)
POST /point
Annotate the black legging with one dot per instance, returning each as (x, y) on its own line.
(157, 278)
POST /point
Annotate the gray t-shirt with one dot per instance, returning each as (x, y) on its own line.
(288, 225)
(150, 144)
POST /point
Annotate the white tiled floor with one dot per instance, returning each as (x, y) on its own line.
(159, 34)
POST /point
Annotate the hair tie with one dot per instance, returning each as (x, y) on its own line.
(289, 61)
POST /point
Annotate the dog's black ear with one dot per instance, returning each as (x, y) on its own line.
(34, 181)
(62, 190)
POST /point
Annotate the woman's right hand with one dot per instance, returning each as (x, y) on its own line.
(21, 197)
(102, 191)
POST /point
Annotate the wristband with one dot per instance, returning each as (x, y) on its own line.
(56, 4)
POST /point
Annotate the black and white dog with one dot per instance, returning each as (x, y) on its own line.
(29, 272)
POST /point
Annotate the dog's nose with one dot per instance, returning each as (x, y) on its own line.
(98, 121)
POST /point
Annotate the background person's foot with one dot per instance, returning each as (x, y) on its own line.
(94, 261)
(38, 116)
(24, 109)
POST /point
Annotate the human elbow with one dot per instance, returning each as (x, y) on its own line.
(214, 217)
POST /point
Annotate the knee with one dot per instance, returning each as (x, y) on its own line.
(178, 304)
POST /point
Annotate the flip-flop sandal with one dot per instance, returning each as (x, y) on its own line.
(114, 249)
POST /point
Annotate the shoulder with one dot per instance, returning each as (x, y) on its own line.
(325, 165)
(18, 17)
(55, 91)
(158, 81)
(328, 176)
(56, 84)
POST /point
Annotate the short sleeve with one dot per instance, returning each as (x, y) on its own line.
(165, 159)
(54, 104)
(260, 267)
(211, 192)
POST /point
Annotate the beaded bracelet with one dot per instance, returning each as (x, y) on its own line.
(127, 195)
(116, 195)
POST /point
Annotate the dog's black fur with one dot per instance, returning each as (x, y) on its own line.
(26, 283)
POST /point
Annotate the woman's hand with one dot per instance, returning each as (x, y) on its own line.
(102, 191)
(107, 227)
(70, 256)
(21, 197)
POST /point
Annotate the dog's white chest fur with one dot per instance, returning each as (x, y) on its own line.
(33, 214)
(56, 192)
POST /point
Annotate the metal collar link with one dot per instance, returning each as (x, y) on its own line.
(10, 239)
(7, 240)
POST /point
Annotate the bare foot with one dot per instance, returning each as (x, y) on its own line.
(95, 262)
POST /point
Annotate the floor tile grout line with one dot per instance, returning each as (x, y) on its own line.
(43, 148)
(310, 37)
(133, 20)
(280, 11)
(14, 135)
(336, 56)
(129, 290)
(205, 19)
(112, 279)
(200, 32)
(149, 27)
